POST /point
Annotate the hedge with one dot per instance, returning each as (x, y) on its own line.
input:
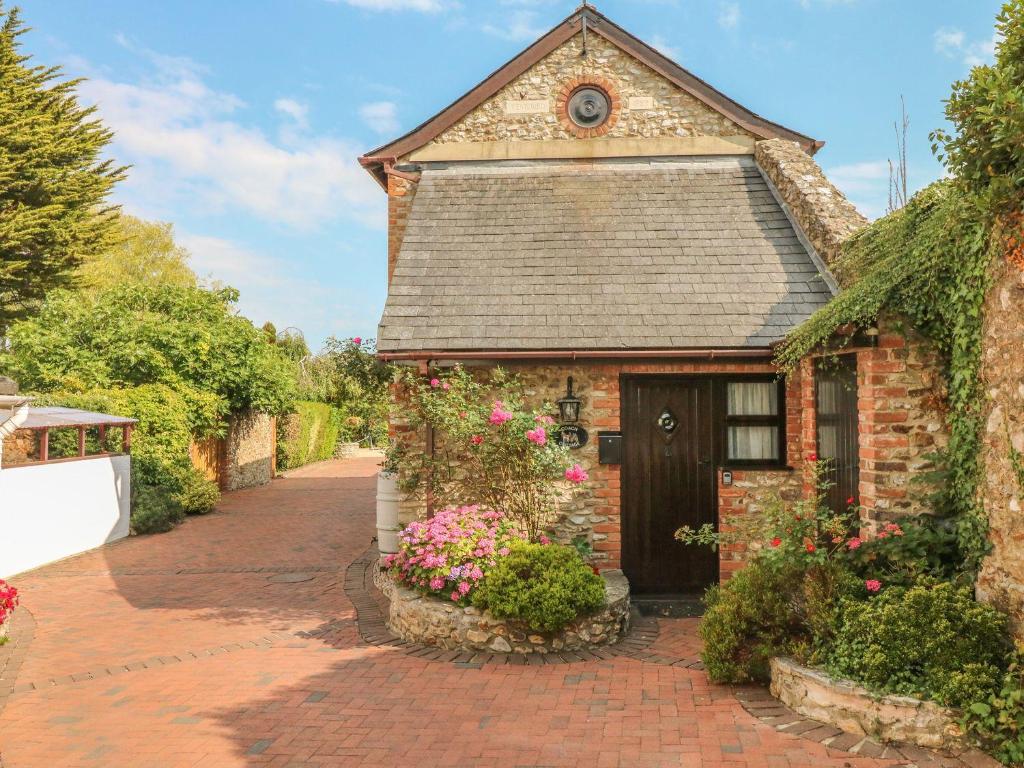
(165, 486)
(308, 434)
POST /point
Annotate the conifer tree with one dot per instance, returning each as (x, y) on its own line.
(54, 181)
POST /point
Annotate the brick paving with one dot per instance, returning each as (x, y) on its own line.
(199, 648)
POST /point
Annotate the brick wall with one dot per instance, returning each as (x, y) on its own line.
(902, 403)
(401, 193)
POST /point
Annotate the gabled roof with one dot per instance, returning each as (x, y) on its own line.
(597, 24)
(613, 255)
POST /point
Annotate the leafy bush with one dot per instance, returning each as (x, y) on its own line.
(198, 495)
(544, 586)
(154, 509)
(489, 447)
(309, 434)
(448, 554)
(749, 619)
(998, 719)
(931, 641)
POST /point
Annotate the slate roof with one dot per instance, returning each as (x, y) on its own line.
(611, 255)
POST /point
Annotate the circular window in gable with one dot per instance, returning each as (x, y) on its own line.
(588, 106)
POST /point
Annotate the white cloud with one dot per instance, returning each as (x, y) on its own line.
(661, 44)
(952, 42)
(268, 286)
(380, 116)
(866, 184)
(520, 25)
(426, 6)
(296, 110)
(729, 15)
(189, 145)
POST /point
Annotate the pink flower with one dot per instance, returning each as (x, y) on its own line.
(538, 436)
(882, 535)
(853, 543)
(476, 439)
(435, 383)
(776, 541)
(544, 419)
(455, 597)
(810, 547)
(849, 501)
(446, 386)
(357, 340)
(576, 474)
(464, 587)
(894, 529)
(872, 585)
(463, 414)
(812, 457)
(543, 539)
(436, 583)
(499, 416)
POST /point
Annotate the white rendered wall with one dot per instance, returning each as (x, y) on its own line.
(51, 511)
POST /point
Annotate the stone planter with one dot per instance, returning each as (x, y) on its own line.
(854, 709)
(431, 621)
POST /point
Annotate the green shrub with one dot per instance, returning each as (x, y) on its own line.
(309, 434)
(749, 619)
(544, 586)
(998, 718)
(154, 509)
(931, 640)
(198, 495)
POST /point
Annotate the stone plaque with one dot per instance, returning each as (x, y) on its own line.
(570, 435)
(641, 103)
(527, 107)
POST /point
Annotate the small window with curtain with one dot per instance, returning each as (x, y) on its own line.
(754, 423)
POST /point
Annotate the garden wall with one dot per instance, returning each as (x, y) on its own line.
(309, 434)
(250, 451)
(55, 510)
(1002, 488)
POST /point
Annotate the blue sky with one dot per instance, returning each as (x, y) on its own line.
(242, 119)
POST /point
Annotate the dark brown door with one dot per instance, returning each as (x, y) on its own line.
(668, 480)
(835, 399)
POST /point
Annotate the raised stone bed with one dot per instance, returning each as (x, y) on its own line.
(854, 709)
(431, 621)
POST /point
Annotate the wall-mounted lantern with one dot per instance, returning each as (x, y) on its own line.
(569, 406)
(872, 333)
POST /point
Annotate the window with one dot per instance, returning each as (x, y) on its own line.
(754, 422)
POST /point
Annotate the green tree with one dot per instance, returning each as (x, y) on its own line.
(53, 182)
(145, 254)
(985, 154)
(130, 335)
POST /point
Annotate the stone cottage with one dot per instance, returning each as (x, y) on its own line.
(593, 210)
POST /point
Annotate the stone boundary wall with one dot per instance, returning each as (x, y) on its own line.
(250, 451)
(855, 710)
(1001, 580)
(824, 214)
(430, 621)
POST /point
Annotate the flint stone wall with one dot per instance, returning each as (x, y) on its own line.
(853, 709)
(1001, 580)
(429, 620)
(674, 113)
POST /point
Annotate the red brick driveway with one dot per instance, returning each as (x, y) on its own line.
(181, 650)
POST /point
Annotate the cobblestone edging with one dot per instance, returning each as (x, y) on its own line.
(769, 710)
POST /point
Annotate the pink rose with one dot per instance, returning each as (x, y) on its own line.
(872, 585)
(357, 340)
(576, 474)
(446, 386)
(435, 383)
(499, 416)
(538, 436)
(853, 543)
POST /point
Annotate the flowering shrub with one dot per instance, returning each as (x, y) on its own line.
(448, 554)
(8, 601)
(489, 448)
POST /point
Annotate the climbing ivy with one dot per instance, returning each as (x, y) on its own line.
(929, 264)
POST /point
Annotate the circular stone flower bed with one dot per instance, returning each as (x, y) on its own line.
(432, 621)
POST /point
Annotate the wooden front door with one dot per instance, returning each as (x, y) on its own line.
(668, 480)
(835, 411)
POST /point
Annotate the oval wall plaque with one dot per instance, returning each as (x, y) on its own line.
(570, 435)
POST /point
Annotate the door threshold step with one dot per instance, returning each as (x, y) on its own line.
(669, 606)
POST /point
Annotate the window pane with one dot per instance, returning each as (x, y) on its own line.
(828, 441)
(828, 397)
(755, 398)
(757, 443)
